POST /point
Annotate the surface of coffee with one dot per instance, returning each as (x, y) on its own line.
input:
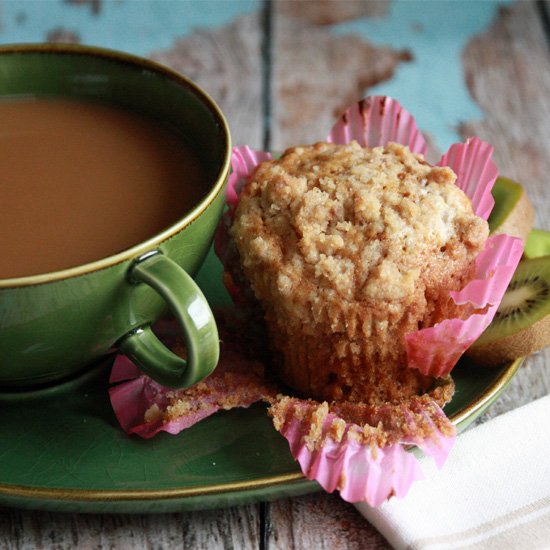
(81, 181)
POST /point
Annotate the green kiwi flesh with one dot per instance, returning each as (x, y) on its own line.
(506, 194)
(537, 244)
(513, 212)
(521, 325)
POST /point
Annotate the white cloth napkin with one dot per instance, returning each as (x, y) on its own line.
(493, 492)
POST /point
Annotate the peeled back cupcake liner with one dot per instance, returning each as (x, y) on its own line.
(435, 350)
(376, 121)
(145, 408)
(366, 461)
(362, 451)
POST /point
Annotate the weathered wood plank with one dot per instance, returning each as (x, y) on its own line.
(227, 62)
(316, 75)
(329, 12)
(322, 522)
(236, 527)
(507, 69)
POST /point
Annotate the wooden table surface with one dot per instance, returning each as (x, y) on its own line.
(281, 71)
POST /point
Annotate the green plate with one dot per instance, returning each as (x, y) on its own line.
(62, 450)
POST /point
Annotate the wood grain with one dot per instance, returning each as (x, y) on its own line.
(228, 63)
(322, 522)
(329, 12)
(507, 69)
(62, 35)
(236, 527)
(316, 75)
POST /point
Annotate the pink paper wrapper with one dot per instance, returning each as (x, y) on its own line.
(360, 450)
(145, 408)
(475, 172)
(436, 350)
(376, 121)
(366, 462)
(243, 161)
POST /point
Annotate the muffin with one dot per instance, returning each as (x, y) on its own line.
(362, 256)
(348, 249)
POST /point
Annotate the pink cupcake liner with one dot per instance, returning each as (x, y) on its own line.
(366, 457)
(376, 121)
(140, 404)
(366, 463)
(435, 350)
(475, 172)
(243, 162)
(350, 459)
(494, 268)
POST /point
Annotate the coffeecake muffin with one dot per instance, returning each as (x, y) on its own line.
(348, 249)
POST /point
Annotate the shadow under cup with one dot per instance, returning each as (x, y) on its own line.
(52, 325)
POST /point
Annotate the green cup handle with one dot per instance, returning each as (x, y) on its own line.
(189, 305)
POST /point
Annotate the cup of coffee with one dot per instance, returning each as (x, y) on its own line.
(112, 172)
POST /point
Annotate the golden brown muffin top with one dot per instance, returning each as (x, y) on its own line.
(328, 223)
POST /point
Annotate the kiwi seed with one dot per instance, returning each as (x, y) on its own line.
(521, 325)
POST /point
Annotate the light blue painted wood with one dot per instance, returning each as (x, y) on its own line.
(135, 26)
(432, 87)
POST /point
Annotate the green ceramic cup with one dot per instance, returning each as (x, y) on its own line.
(56, 324)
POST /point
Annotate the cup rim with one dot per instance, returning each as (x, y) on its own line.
(192, 215)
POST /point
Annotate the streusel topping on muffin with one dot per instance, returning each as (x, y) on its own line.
(348, 249)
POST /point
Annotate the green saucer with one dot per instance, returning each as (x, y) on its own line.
(62, 449)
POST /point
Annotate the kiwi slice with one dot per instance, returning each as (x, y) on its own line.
(521, 325)
(513, 213)
(538, 244)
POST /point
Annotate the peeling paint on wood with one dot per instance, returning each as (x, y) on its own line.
(329, 12)
(62, 36)
(316, 75)
(227, 62)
